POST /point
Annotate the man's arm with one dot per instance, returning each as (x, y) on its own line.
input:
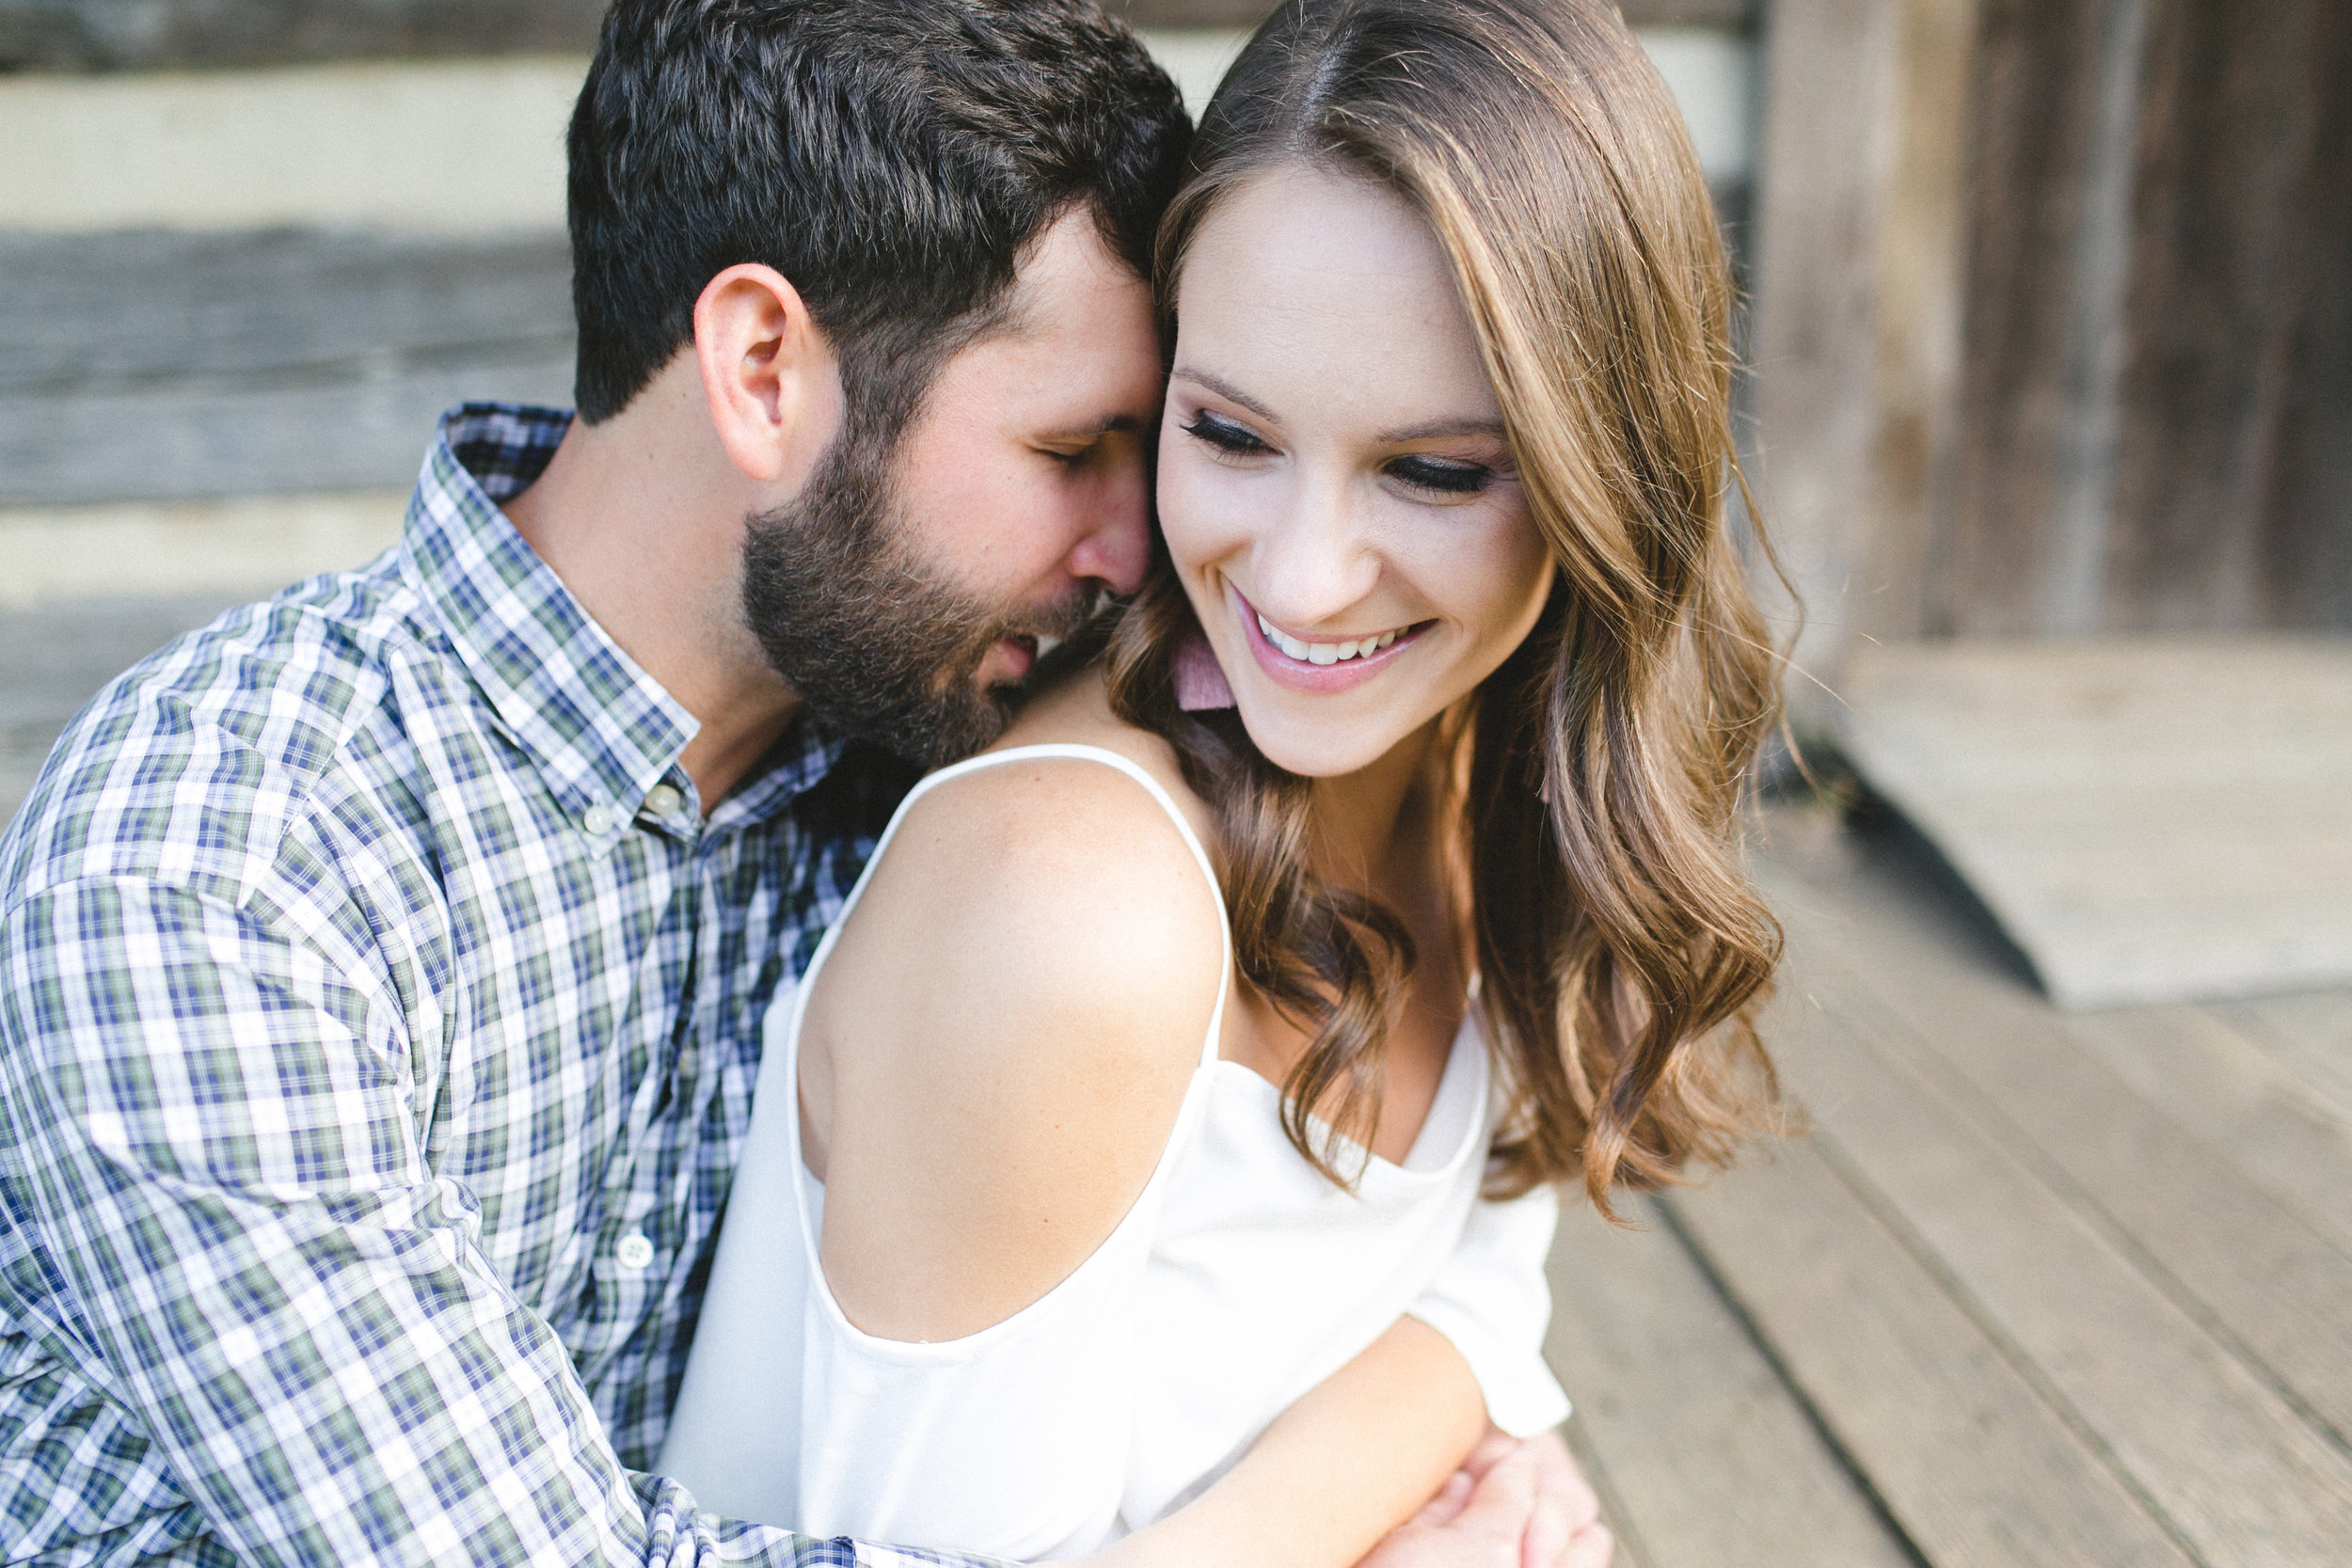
(212, 1148)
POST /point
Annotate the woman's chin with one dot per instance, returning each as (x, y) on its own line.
(1318, 751)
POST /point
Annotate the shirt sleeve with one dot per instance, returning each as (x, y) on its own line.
(1492, 1300)
(219, 1212)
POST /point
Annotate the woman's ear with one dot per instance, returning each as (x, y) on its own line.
(767, 374)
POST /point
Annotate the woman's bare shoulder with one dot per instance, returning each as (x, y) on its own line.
(1077, 712)
(1007, 1025)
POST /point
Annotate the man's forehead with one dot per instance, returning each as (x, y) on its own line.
(1067, 275)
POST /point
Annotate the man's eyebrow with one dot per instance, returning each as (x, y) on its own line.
(1437, 429)
(1109, 424)
(1223, 388)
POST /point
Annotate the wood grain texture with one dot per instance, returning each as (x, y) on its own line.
(172, 365)
(1857, 329)
(1709, 1457)
(107, 35)
(126, 312)
(2223, 1251)
(2229, 112)
(2157, 386)
(2310, 1036)
(2243, 1105)
(2047, 253)
(2306, 566)
(2152, 819)
(2221, 1454)
(1976, 1469)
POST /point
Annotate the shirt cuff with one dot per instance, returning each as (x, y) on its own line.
(1522, 1396)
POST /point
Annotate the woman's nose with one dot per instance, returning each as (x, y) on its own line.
(1316, 560)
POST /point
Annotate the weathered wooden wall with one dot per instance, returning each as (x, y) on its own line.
(165, 345)
(2055, 314)
(2158, 404)
(114, 35)
(155, 365)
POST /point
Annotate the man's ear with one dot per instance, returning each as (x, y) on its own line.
(767, 374)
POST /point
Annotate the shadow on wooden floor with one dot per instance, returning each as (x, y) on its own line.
(2041, 1289)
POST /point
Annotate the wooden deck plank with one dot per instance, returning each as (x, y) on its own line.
(2224, 1248)
(2245, 1106)
(1976, 1469)
(1709, 1457)
(1629, 1552)
(2152, 819)
(2023, 1165)
(2310, 1035)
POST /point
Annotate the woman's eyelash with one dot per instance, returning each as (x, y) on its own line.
(1436, 475)
(1450, 479)
(1224, 434)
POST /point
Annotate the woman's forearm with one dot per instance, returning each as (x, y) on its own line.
(1351, 1459)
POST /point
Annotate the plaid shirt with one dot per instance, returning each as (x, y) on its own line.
(379, 1023)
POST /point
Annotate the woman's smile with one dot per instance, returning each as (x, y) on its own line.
(1320, 665)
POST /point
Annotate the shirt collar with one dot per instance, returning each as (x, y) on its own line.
(602, 731)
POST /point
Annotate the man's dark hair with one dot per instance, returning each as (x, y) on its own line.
(890, 157)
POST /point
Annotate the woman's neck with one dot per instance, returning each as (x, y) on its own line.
(1359, 816)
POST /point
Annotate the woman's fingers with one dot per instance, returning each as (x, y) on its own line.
(1469, 1524)
(1559, 1480)
(1589, 1548)
(1447, 1505)
(1504, 1496)
(1491, 1447)
(1548, 1535)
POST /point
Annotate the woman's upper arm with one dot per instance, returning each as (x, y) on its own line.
(1010, 1022)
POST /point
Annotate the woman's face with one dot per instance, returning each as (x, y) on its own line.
(1337, 494)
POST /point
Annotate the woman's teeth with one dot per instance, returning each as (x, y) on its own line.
(1325, 653)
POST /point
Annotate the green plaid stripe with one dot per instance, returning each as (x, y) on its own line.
(352, 1013)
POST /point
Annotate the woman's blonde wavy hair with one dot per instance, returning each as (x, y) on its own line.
(1622, 955)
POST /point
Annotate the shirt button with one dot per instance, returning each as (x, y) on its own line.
(661, 799)
(634, 1252)
(597, 821)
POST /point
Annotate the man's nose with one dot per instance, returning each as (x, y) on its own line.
(1114, 550)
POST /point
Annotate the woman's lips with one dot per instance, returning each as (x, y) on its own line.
(1320, 679)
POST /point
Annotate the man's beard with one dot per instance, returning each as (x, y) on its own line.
(873, 638)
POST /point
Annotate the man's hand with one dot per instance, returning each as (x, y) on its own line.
(1516, 1503)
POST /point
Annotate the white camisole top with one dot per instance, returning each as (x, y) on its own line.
(1239, 1280)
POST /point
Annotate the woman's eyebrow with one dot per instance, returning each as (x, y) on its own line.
(1437, 429)
(1223, 388)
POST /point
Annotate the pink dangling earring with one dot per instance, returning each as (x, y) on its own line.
(1201, 683)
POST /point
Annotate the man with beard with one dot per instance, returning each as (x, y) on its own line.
(381, 967)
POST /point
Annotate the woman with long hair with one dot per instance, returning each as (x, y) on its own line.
(1160, 1156)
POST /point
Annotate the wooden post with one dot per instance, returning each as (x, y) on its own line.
(1858, 316)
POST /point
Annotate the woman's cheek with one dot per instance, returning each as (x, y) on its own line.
(1198, 508)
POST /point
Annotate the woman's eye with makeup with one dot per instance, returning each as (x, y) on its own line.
(1442, 476)
(1225, 435)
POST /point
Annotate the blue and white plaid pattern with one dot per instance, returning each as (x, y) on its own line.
(366, 1022)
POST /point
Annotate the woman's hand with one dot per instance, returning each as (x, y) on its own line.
(1516, 1503)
